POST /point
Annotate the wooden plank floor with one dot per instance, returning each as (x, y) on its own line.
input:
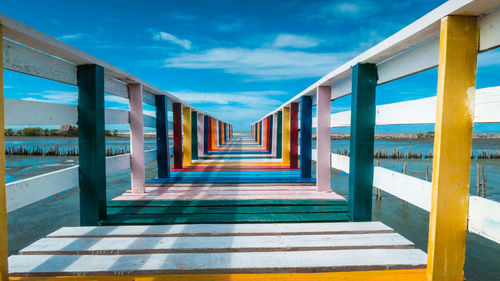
(217, 248)
(224, 211)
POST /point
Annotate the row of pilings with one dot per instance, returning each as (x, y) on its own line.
(57, 151)
(418, 154)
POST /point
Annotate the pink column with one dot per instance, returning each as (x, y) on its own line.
(201, 134)
(274, 135)
(323, 168)
(136, 139)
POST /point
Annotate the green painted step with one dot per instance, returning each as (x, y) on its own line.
(194, 203)
(149, 210)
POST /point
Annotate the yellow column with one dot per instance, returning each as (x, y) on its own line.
(4, 250)
(452, 148)
(186, 136)
(286, 136)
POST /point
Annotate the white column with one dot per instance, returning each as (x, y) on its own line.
(323, 167)
(136, 139)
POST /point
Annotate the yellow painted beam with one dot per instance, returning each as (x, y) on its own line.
(286, 136)
(452, 148)
(186, 136)
(381, 275)
(4, 250)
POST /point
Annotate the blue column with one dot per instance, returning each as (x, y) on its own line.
(364, 82)
(205, 134)
(162, 149)
(305, 136)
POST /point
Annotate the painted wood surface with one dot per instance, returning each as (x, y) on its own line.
(162, 141)
(137, 166)
(286, 136)
(4, 249)
(489, 25)
(149, 121)
(323, 139)
(279, 141)
(452, 147)
(186, 136)
(484, 218)
(194, 135)
(148, 98)
(115, 87)
(305, 136)
(91, 144)
(177, 116)
(294, 135)
(362, 137)
(201, 135)
(274, 140)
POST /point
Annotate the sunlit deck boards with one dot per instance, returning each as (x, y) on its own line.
(205, 249)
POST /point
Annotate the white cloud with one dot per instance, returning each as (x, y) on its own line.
(295, 41)
(164, 36)
(7, 87)
(54, 97)
(249, 98)
(72, 37)
(261, 63)
(350, 8)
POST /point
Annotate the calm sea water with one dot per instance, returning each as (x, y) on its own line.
(30, 223)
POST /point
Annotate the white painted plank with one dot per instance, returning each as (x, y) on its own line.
(489, 31)
(255, 262)
(342, 89)
(418, 59)
(30, 113)
(148, 98)
(223, 229)
(487, 105)
(484, 217)
(144, 245)
(117, 163)
(24, 192)
(116, 116)
(28, 61)
(149, 121)
(340, 162)
(115, 87)
(150, 155)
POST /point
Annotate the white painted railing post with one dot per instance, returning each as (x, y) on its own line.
(137, 167)
(323, 138)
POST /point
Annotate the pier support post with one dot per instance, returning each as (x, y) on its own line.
(452, 147)
(201, 134)
(286, 136)
(137, 167)
(294, 135)
(279, 135)
(91, 144)
(177, 116)
(186, 136)
(162, 149)
(194, 135)
(364, 83)
(4, 249)
(305, 136)
(323, 166)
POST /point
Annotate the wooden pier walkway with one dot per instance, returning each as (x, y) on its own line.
(251, 207)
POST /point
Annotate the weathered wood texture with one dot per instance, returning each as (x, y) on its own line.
(137, 166)
(323, 139)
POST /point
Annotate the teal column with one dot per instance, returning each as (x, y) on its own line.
(364, 82)
(279, 139)
(194, 135)
(92, 157)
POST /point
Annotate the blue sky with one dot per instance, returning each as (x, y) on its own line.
(235, 59)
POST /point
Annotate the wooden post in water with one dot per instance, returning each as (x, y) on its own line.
(452, 147)
(364, 82)
(162, 146)
(378, 192)
(323, 142)
(91, 143)
(286, 136)
(305, 136)
(294, 135)
(137, 166)
(4, 249)
(177, 116)
(186, 136)
(194, 135)
(427, 172)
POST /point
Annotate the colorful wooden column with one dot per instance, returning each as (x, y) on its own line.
(264, 133)
(364, 83)
(186, 136)
(286, 135)
(279, 135)
(210, 134)
(323, 165)
(270, 133)
(305, 136)
(274, 135)
(177, 116)
(452, 147)
(201, 134)
(137, 168)
(206, 135)
(91, 144)
(194, 135)
(294, 135)
(217, 133)
(4, 249)
(214, 133)
(162, 149)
